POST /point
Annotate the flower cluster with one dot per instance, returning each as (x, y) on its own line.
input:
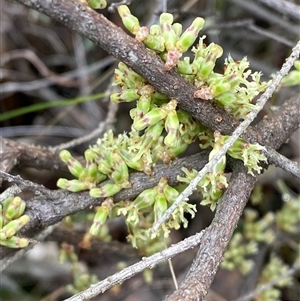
(81, 279)
(245, 243)
(12, 220)
(214, 183)
(275, 268)
(235, 256)
(234, 89)
(288, 217)
(154, 113)
(161, 131)
(149, 207)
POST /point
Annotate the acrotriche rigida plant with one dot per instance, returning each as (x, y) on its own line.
(161, 131)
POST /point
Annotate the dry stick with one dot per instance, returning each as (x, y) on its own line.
(11, 87)
(235, 135)
(102, 126)
(10, 191)
(147, 262)
(284, 7)
(280, 160)
(39, 65)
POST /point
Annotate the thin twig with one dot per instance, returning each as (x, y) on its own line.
(10, 191)
(283, 162)
(103, 126)
(290, 272)
(284, 7)
(235, 135)
(23, 184)
(11, 87)
(39, 65)
(147, 262)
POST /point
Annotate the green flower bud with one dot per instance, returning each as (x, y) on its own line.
(15, 208)
(134, 164)
(145, 199)
(6, 203)
(121, 178)
(217, 89)
(160, 206)
(177, 27)
(219, 142)
(174, 151)
(205, 70)
(156, 43)
(151, 118)
(97, 4)
(92, 173)
(172, 122)
(10, 229)
(127, 95)
(155, 30)
(292, 79)
(130, 22)
(99, 219)
(121, 174)
(185, 67)
(143, 105)
(187, 39)
(72, 185)
(15, 242)
(166, 19)
(127, 78)
(226, 99)
(172, 128)
(170, 193)
(104, 167)
(90, 155)
(105, 191)
(172, 138)
(149, 138)
(75, 167)
(159, 98)
(167, 30)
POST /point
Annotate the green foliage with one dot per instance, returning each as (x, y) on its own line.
(13, 220)
(265, 229)
(271, 271)
(161, 131)
(288, 217)
(293, 78)
(236, 255)
(81, 279)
